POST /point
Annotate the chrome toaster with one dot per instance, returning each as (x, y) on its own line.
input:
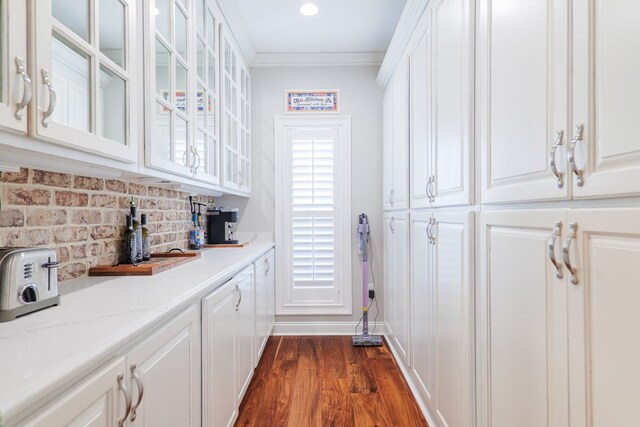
(28, 281)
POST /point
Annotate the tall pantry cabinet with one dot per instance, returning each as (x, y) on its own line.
(437, 303)
(557, 285)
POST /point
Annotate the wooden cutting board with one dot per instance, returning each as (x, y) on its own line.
(227, 245)
(159, 262)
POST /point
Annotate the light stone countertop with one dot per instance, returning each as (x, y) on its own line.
(44, 352)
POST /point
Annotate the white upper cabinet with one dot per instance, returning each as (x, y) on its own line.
(421, 122)
(183, 89)
(452, 102)
(236, 118)
(15, 81)
(396, 139)
(523, 99)
(606, 89)
(84, 75)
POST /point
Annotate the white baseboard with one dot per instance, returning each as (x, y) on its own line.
(324, 328)
(406, 372)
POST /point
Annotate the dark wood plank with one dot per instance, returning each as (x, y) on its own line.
(145, 268)
(324, 381)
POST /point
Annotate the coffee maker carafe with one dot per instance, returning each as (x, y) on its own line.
(220, 226)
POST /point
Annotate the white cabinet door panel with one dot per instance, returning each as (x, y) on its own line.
(388, 260)
(606, 92)
(387, 147)
(452, 102)
(400, 130)
(245, 331)
(169, 367)
(603, 309)
(522, 81)
(523, 322)
(453, 289)
(421, 125)
(423, 342)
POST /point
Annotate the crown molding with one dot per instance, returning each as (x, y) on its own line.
(316, 59)
(408, 21)
(236, 26)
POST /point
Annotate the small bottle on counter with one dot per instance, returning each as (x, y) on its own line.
(146, 238)
(137, 229)
(130, 243)
(194, 234)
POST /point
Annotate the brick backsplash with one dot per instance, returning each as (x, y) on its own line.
(82, 218)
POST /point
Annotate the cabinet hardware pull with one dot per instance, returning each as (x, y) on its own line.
(566, 245)
(551, 244)
(239, 297)
(196, 157)
(268, 264)
(391, 225)
(138, 380)
(433, 189)
(127, 399)
(185, 161)
(391, 194)
(52, 98)
(552, 158)
(433, 229)
(571, 155)
(429, 236)
(26, 94)
(429, 194)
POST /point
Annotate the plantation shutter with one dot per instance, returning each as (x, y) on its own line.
(313, 207)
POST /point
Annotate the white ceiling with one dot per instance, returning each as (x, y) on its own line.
(341, 26)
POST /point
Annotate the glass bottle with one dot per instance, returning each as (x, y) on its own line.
(130, 247)
(146, 238)
(137, 229)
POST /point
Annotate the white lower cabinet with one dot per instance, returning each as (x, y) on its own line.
(396, 283)
(441, 314)
(265, 307)
(156, 384)
(227, 326)
(555, 351)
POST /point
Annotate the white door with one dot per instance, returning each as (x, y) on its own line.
(421, 122)
(423, 342)
(245, 330)
(165, 375)
(606, 66)
(401, 296)
(453, 50)
(15, 81)
(523, 96)
(96, 402)
(85, 76)
(452, 237)
(218, 356)
(387, 147)
(522, 321)
(603, 309)
(400, 137)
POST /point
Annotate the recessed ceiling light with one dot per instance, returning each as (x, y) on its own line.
(309, 9)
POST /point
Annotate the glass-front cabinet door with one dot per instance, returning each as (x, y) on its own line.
(230, 113)
(15, 83)
(207, 143)
(244, 148)
(85, 75)
(169, 69)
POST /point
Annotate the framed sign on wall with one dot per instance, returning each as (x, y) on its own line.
(312, 101)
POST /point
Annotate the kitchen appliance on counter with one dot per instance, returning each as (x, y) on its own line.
(28, 281)
(220, 226)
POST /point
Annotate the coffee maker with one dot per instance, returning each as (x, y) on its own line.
(220, 226)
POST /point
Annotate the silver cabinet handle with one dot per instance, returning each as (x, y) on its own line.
(432, 185)
(571, 155)
(127, 399)
(196, 157)
(429, 194)
(429, 236)
(268, 264)
(551, 245)
(552, 158)
(391, 196)
(433, 229)
(52, 98)
(391, 225)
(26, 93)
(138, 380)
(566, 245)
(185, 161)
(239, 297)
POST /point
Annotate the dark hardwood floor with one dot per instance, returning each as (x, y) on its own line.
(324, 381)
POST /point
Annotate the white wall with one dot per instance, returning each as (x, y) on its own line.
(361, 98)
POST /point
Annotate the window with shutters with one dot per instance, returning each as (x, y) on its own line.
(313, 227)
